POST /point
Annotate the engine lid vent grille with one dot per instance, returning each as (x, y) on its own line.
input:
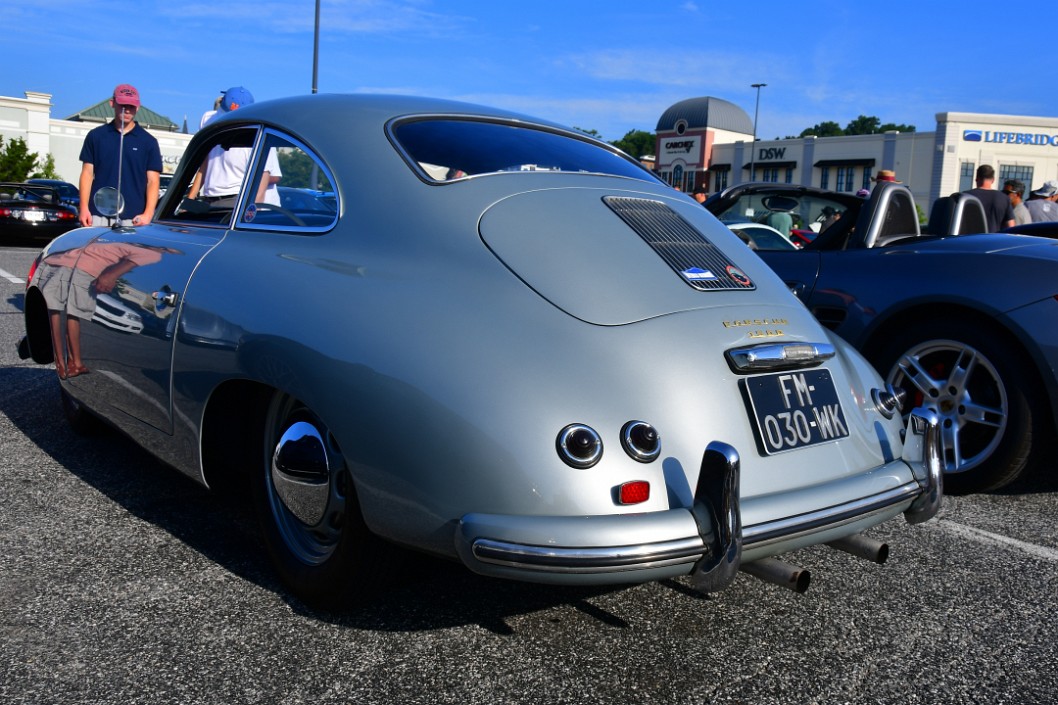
(697, 261)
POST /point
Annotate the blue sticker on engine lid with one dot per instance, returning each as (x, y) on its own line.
(696, 274)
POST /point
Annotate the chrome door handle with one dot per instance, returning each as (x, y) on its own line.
(168, 299)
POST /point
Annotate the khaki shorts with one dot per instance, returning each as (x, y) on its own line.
(67, 288)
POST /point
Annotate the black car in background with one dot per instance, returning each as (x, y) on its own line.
(33, 212)
(68, 193)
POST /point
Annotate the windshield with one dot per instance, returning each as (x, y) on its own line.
(447, 149)
(799, 217)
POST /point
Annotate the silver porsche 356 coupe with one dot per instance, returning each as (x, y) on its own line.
(491, 338)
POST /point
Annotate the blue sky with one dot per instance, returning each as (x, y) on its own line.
(611, 66)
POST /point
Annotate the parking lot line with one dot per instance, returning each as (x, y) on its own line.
(11, 277)
(983, 536)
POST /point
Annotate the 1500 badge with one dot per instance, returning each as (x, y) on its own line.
(760, 332)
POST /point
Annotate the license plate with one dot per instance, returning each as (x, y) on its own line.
(33, 216)
(795, 409)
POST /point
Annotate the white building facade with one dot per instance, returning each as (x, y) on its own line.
(30, 118)
(697, 148)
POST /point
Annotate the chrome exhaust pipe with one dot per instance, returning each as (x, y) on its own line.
(862, 547)
(775, 571)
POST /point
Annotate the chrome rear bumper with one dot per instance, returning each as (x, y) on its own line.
(706, 541)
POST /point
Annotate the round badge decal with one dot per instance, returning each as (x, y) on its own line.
(251, 213)
(738, 276)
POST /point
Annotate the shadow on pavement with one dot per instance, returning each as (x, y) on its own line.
(425, 592)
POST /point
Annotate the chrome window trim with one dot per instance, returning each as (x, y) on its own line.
(262, 137)
(393, 123)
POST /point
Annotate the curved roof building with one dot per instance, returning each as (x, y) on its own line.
(706, 112)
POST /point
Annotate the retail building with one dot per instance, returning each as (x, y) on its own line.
(30, 118)
(708, 142)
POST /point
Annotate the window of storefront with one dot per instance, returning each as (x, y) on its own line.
(845, 176)
(1009, 172)
(771, 175)
(824, 177)
(866, 183)
(789, 175)
(966, 176)
(720, 180)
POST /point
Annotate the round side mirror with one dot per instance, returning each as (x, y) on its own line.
(108, 201)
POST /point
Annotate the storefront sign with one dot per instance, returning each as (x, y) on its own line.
(1028, 138)
(683, 148)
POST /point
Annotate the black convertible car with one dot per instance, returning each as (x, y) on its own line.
(33, 212)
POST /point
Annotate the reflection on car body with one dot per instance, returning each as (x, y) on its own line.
(111, 312)
(565, 374)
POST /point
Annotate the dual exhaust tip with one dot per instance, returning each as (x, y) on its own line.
(795, 578)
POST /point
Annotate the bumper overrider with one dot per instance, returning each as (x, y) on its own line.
(707, 542)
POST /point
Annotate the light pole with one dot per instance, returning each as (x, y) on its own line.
(756, 112)
(316, 51)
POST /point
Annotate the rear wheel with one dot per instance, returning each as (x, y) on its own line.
(308, 509)
(990, 411)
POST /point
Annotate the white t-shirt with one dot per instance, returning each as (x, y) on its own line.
(225, 171)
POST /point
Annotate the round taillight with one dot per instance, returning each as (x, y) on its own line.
(579, 445)
(641, 441)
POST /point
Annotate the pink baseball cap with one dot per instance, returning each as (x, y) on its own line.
(126, 95)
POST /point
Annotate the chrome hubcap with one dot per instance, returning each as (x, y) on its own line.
(307, 484)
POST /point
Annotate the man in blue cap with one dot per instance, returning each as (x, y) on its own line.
(220, 177)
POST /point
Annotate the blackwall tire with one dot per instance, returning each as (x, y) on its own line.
(308, 510)
(991, 413)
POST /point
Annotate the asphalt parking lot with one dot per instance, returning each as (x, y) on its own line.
(123, 582)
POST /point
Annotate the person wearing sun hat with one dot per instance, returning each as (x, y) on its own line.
(886, 175)
(123, 147)
(1041, 204)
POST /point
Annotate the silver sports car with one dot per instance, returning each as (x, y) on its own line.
(507, 344)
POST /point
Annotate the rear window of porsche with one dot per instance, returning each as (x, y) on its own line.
(447, 149)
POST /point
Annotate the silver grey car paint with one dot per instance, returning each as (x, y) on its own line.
(429, 345)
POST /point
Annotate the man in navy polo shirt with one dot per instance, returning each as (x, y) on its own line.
(140, 163)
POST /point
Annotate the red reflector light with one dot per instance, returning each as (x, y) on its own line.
(32, 270)
(634, 492)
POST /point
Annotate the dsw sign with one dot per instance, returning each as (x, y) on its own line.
(771, 153)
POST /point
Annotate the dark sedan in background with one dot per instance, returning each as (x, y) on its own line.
(966, 323)
(68, 193)
(33, 212)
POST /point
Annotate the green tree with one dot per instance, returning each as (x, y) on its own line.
(636, 143)
(45, 168)
(863, 125)
(889, 126)
(823, 129)
(16, 161)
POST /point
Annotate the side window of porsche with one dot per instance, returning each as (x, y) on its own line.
(212, 179)
(291, 189)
